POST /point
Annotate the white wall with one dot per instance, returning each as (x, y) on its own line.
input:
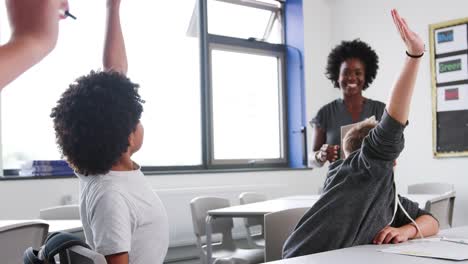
(370, 21)
(23, 199)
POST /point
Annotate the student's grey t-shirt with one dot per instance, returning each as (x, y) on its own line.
(332, 116)
(121, 213)
(359, 198)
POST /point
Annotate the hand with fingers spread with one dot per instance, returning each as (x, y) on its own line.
(414, 43)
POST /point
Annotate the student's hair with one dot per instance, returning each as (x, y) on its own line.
(94, 118)
(352, 141)
(355, 49)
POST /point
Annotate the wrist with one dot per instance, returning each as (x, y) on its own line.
(411, 231)
(415, 55)
(36, 47)
(113, 3)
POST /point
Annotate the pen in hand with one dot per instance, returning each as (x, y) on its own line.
(65, 13)
(68, 14)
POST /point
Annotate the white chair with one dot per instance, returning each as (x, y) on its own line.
(254, 239)
(278, 227)
(16, 238)
(63, 212)
(441, 206)
(82, 255)
(226, 248)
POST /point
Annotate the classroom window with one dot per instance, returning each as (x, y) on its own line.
(214, 84)
(244, 19)
(245, 84)
(246, 106)
(159, 53)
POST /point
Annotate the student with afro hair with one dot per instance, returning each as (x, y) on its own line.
(351, 67)
(98, 128)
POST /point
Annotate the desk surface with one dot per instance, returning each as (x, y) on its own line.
(71, 226)
(370, 254)
(289, 202)
(261, 208)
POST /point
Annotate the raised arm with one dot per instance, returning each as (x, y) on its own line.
(386, 141)
(400, 97)
(115, 57)
(34, 27)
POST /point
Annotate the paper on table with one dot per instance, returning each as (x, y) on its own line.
(455, 240)
(431, 248)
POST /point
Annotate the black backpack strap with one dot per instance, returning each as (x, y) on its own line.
(60, 241)
(30, 257)
(55, 243)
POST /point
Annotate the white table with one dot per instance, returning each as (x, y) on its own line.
(261, 208)
(70, 226)
(370, 254)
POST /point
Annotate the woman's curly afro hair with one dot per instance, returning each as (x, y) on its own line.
(94, 118)
(352, 49)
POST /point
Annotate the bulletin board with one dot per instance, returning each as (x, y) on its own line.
(449, 74)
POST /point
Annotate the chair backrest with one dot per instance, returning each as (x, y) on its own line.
(442, 209)
(223, 225)
(278, 226)
(199, 207)
(252, 197)
(82, 255)
(63, 212)
(16, 238)
(442, 206)
(430, 188)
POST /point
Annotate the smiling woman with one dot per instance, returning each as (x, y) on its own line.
(351, 67)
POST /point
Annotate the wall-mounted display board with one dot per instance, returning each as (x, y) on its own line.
(449, 70)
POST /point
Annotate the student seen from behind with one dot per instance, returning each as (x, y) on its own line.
(98, 129)
(360, 204)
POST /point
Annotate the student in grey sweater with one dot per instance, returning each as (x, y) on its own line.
(358, 204)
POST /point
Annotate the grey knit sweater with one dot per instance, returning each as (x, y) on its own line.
(358, 199)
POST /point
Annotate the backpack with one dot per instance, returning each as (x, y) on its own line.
(55, 243)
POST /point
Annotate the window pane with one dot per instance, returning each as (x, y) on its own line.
(276, 33)
(27, 131)
(165, 61)
(238, 21)
(247, 120)
(159, 53)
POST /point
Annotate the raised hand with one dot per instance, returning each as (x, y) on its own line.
(36, 21)
(414, 43)
(115, 55)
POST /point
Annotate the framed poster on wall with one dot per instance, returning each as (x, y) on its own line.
(449, 74)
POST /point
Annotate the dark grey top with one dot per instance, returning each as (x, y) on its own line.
(358, 200)
(332, 116)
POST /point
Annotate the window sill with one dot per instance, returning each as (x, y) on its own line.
(161, 172)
